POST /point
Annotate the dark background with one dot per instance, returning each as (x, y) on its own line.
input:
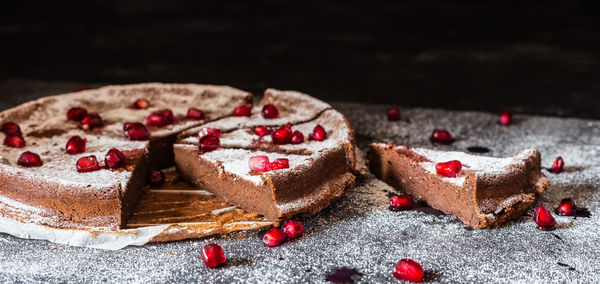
(540, 57)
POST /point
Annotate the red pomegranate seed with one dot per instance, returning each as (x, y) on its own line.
(209, 143)
(76, 114)
(209, 131)
(282, 135)
(114, 158)
(261, 130)
(408, 270)
(448, 169)
(558, 165)
(543, 218)
(270, 111)
(213, 255)
(393, 114)
(566, 207)
(293, 229)
(259, 164)
(87, 164)
(505, 117)
(11, 128)
(297, 137)
(90, 122)
(156, 178)
(318, 134)
(75, 145)
(279, 164)
(29, 159)
(245, 110)
(15, 141)
(135, 131)
(168, 115)
(401, 202)
(156, 120)
(141, 104)
(195, 113)
(273, 237)
(441, 136)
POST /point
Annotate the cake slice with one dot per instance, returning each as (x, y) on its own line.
(486, 192)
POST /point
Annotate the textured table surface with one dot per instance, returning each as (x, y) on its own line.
(359, 231)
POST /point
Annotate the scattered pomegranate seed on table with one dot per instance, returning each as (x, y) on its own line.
(15, 141)
(114, 158)
(543, 218)
(293, 229)
(449, 169)
(441, 136)
(393, 114)
(141, 104)
(29, 159)
(408, 270)
(318, 134)
(261, 130)
(156, 178)
(135, 131)
(558, 165)
(282, 135)
(270, 111)
(566, 207)
(505, 117)
(245, 110)
(209, 131)
(297, 137)
(195, 113)
(75, 145)
(76, 114)
(209, 143)
(274, 237)
(213, 255)
(401, 202)
(11, 128)
(87, 164)
(90, 122)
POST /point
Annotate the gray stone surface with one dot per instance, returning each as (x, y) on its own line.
(360, 232)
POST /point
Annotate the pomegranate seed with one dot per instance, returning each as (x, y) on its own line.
(135, 131)
(245, 110)
(29, 159)
(543, 218)
(213, 255)
(141, 104)
(293, 229)
(566, 207)
(401, 202)
(15, 141)
(297, 137)
(209, 131)
(393, 114)
(261, 130)
(558, 165)
(168, 115)
(282, 135)
(156, 178)
(209, 143)
(87, 164)
(279, 164)
(448, 169)
(195, 113)
(259, 164)
(408, 270)
(11, 128)
(155, 120)
(75, 145)
(90, 122)
(287, 126)
(318, 134)
(76, 114)
(441, 136)
(273, 237)
(114, 158)
(505, 117)
(270, 111)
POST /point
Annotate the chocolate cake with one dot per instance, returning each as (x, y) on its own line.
(57, 194)
(486, 193)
